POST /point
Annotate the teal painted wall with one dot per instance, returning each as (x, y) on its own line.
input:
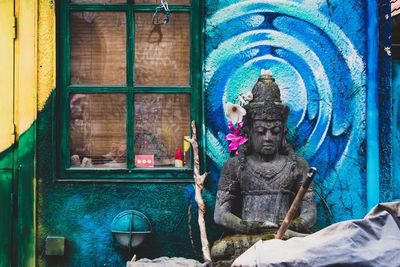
(83, 212)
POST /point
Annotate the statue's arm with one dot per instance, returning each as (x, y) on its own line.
(228, 194)
(308, 211)
(223, 216)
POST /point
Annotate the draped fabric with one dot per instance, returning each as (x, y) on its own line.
(372, 241)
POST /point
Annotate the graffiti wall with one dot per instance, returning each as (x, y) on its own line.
(316, 51)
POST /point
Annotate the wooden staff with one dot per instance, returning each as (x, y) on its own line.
(199, 181)
(296, 203)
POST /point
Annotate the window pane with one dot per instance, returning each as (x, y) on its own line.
(161, 122)
(98, 1)
(97, 130)
(98, 44)
(157, 2)
(162, 52)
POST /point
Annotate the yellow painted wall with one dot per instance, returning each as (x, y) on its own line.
(32, 74)
(25, 64)
(46, 51)
(6, 73)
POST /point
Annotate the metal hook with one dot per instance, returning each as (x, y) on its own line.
(163, 7)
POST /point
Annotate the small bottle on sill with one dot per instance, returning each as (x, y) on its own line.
(178, 158)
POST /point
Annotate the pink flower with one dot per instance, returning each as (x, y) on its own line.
(235, 138)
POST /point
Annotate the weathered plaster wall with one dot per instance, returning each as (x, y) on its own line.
(396, 129)
(7, 74)
(18, 81)
(6, 129)
(316, 50)
(46, 51)
(317, 53)
(386, 107)
(83, 212)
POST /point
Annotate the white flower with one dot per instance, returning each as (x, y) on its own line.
(244, 99)
(267, 73)
(234, 112)
(248, 96)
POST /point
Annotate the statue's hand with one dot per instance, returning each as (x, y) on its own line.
(270, 225)
(255, 227)
(297, 224)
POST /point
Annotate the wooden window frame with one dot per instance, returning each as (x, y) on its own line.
(64, 173)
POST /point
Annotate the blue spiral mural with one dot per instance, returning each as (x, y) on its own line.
(316, 52)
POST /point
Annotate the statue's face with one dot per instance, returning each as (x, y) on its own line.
(266, 137)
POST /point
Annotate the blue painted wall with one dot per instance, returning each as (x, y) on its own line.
(396, 129)
(386, 104)
(316, 50)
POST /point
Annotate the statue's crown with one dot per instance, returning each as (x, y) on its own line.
(266, 103)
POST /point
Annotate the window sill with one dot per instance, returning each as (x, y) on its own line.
(137, 175)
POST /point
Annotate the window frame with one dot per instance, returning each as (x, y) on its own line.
(130, 173)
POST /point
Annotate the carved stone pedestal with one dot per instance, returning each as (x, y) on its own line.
(227, 249)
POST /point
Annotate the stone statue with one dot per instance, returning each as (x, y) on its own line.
(257, 186)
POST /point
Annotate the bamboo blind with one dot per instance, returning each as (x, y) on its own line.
(98, 48)
(98, 129)
(162, 52)
(161, 122)
(98, 57)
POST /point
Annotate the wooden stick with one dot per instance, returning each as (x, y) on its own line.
(199, 182)
(296, 204)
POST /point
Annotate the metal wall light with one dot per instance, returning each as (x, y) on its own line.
(130, 228)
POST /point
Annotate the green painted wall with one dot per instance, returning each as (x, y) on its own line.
(17, 198)
(6, 163)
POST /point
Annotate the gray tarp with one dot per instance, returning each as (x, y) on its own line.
(372, 241)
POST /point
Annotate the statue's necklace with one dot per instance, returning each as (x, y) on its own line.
(267, 173)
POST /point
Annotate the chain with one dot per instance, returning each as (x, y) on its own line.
(162, 8)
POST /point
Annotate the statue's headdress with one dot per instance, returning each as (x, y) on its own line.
(266, 103)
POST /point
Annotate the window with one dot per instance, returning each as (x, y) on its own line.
(128, 89)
